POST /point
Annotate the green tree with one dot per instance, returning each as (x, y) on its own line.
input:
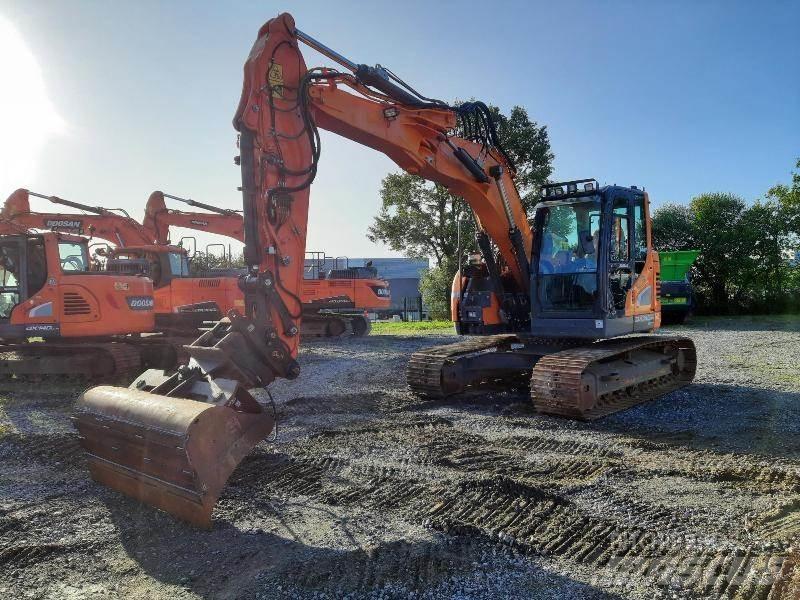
(419, 218)
(716, 233)
(672, 228)
(435, 286)
(203, 261)
(788, 196)
(761, 280)
(743, 264)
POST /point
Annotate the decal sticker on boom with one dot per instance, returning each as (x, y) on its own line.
(70, 225)
(275, 77)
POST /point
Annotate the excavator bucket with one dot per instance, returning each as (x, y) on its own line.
(172, 453)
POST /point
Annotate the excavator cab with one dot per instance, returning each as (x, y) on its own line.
(47, 289)
(183, 302)
(593, 269)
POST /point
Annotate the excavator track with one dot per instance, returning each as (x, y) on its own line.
(426, 370)
(89, 361)
(573, 378)
(335, 325)
(590, 382)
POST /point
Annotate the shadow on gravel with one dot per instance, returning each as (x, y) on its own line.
(722, 418)
(230, 562)
(484, 401)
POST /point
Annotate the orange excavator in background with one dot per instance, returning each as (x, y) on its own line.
(586, 271)
(182, 303)
(58, 317)
(328, 299)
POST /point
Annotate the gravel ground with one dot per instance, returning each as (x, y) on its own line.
(371, 492)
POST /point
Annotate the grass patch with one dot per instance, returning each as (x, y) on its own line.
(391, 327)
(776, 320)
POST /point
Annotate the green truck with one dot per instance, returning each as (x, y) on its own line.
(677, 300)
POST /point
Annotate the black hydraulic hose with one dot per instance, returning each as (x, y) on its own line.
(252, 246)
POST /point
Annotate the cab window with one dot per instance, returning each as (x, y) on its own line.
(620, 247)
(9, 279)
(37, 266)
(639, 231)
(570, 238)
(178, 264)
(73, 256)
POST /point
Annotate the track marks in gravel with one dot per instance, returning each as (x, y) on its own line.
(489, 490)
(643, 456)
(20, 555)
(333, 481)
(418, 566)
(337, 404)
(52, 450)
(541, 523)
(781, 524)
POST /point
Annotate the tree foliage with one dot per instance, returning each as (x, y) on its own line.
(420, 218)
(435, 286)
(748, 253)
(202, 262)
(788, 197)
(672, 228)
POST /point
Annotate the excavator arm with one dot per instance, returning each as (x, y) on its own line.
(283, 104)
(158, 218)
(119, 229)
(172, 440)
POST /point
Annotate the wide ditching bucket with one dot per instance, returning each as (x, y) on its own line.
(172, 453)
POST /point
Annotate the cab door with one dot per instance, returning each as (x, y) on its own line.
(621, 270)
(643, 303)
(12, 275)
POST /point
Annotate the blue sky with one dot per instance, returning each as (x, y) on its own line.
(679, 97)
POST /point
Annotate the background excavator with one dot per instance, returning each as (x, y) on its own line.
(334, 301)
(550, 292)
(182, 303)
(58, 317)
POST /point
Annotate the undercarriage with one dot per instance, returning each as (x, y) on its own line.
(574, 378)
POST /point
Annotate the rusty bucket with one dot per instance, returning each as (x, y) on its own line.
(172, 453)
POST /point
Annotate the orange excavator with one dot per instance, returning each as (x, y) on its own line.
(552, 294)
(58, 317)
(182, 303)
(329, 299)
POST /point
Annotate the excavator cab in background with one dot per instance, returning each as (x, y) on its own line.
(333, 301)
(85, 318)
(183, 302)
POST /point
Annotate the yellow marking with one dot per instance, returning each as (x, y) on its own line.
(275, 79)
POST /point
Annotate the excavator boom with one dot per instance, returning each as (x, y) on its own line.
(119, 229)
(158, 218)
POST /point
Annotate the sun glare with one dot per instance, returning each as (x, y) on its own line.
(27, 116)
